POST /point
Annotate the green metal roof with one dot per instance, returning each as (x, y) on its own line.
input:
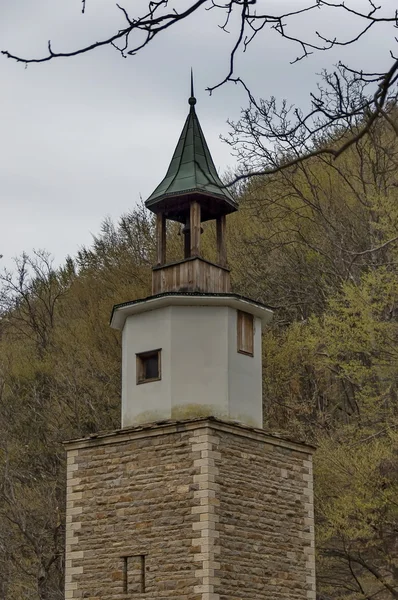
(192, 168)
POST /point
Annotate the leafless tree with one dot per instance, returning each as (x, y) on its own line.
(28, 296)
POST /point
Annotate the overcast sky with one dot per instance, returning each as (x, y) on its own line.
(85, 137)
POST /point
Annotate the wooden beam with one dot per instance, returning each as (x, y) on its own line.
(195, 228)
(161, 239)
(222, 241)
(187, 243)
(187, 238)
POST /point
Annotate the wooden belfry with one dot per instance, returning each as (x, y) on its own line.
(191, 193)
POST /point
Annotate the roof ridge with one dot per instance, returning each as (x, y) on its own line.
(182, 153)
(208, 158)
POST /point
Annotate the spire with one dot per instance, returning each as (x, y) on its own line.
(192, 172)
(192, 99)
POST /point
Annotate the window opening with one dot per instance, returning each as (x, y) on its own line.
(245, 333)
(134, 574)
(148, 366)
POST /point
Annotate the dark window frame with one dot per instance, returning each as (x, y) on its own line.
(141, 358)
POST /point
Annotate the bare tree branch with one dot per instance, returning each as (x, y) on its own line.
(299, 136)
(274, 139)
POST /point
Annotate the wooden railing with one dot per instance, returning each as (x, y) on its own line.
(191, 275)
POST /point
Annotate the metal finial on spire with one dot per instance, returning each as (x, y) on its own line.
(192, 99)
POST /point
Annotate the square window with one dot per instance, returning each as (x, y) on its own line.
(245, 333)
(148, 366)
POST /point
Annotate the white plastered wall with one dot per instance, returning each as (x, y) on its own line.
(202, 372)
(199, 361)
(150, 401)
(244, 376)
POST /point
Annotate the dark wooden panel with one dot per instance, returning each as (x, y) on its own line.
(245, 325)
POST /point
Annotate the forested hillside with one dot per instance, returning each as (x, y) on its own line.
(319, 242)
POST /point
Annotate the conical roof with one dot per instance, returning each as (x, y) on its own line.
(192, 171)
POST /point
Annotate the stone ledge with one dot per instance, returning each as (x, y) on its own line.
(187, 425)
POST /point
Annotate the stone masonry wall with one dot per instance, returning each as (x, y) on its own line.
(266, 526)
(217, 511)
(127, 499)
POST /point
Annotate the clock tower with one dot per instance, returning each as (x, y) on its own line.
(191, 499)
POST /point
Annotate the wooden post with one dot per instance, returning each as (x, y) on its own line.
(222, 241)
(195, 228)
(161, 238)
(187, 239)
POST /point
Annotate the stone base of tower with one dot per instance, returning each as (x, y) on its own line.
(198, 510)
